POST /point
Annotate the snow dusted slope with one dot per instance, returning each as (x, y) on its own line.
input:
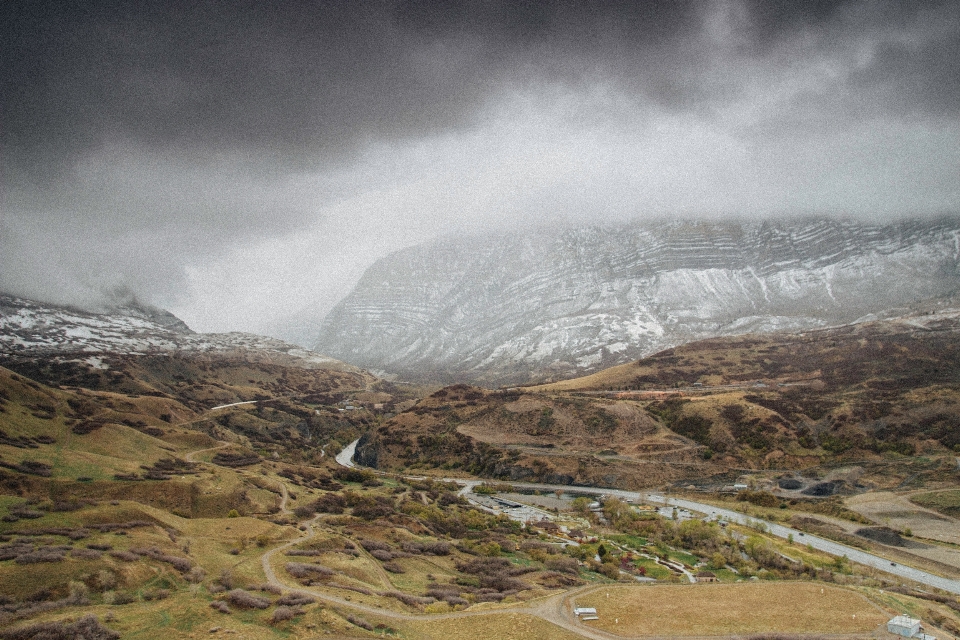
(29, 328)
(528, 306)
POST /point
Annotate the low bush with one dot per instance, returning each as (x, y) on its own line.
(438, 548)
(266, 587)
(180, 564)
(359, 622)
(302, 570)
(562, 564)
(236, 459)
(43, 554)
(294, 599)
(348, 587)
(407, 598)
(393, 567)
(283, 613)
(220, 606)
(245, 600)
(86, 628)
(375, 545)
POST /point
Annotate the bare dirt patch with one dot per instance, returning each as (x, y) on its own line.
(897, 512)
(731, 609)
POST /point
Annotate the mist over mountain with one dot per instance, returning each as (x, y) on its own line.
(549, 304)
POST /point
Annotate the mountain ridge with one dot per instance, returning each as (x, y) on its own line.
(30, 328)
(548, 304)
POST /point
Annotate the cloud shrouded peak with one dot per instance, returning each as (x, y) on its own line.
(237, 161)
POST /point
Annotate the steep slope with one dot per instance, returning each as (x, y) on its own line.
(532, 306)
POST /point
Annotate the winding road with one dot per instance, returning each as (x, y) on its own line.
(557, 609)
(821, 544)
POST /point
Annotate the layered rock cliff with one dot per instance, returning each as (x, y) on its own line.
(548, 304)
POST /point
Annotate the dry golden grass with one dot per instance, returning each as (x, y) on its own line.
(502, 626)
(727, 609)
(612, 377)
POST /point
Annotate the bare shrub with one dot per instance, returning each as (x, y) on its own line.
(285, 613)
(86, 554)
(443, 591)
(11, 551)
(330, 503)
(350, 587)
(100, 547)
(393, 567)
(182, 565)
(294, 599)
(156, 594)
(406, 598)
(359, 622)
(43, 554)
(539, 546)
(124, 556)
(226, 579)
(86, 628)
(195, 575)
(236, 459)
(373, 508)
(439, 548)
(220, 606)
(266, 587)
(245, 600)
(490, 596)
(375, 545)
(303, 570)
(382, 555)
(118, 597)
(563, 564)
(304, 552)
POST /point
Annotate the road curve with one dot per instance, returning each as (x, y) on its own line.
(821, 544)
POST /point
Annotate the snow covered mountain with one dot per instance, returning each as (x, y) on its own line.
(35, 329)
(530, 306)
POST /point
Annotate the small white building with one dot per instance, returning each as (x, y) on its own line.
(584, 611)
(904, 626)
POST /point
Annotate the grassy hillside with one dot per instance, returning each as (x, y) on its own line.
(125, 486)
(875, 392)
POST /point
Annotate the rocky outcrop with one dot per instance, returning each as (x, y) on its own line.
(367, 452)
(531, 306)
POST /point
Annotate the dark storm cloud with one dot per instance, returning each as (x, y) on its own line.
(143, 144)
(288, 77)
(291, 79)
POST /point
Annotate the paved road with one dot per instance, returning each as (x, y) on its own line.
(345, 457)
(821, 544)
(232, 404)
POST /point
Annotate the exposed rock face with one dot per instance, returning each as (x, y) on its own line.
(367, 452)
(549, 304)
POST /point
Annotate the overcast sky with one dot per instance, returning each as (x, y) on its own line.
(239, 162)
